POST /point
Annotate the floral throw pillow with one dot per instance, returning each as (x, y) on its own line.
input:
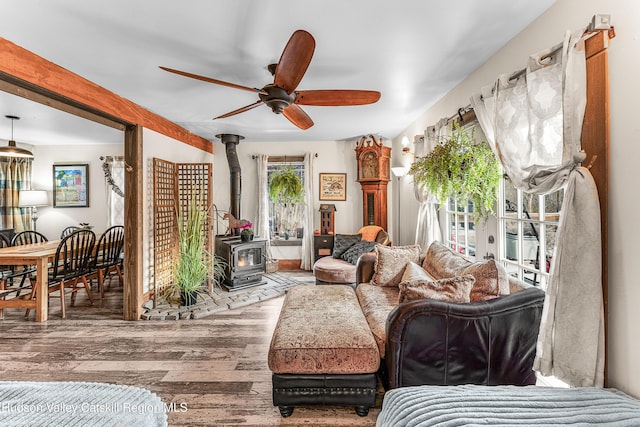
(492, 280)
(342, 242)
(390, 263)
(441, 261)
(451, 289)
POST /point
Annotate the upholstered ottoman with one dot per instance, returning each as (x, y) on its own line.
(322, 351)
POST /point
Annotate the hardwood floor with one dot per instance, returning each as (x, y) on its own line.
(216, 366)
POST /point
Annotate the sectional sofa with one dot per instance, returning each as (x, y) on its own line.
(424, 337)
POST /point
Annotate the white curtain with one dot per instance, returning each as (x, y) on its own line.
(533, 124)
(307, 238)
(114, 176)
(428, 225)
(261, 227)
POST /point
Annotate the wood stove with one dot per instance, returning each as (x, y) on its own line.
(246, 261)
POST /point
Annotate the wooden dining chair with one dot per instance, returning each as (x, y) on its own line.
(70, 266)
(6, 275)
(5, 270)
(68, 230)
(107, 256)
(28, 237)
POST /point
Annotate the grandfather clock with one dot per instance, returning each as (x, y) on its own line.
(373, 175)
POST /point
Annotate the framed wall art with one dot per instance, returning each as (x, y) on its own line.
(71, 185)
(333, 186)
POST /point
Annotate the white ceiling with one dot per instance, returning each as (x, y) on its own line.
(412, 51)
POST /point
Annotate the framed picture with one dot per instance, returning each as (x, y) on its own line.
(333, 186)
(71, 185)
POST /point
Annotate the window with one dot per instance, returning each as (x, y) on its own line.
(527, 229)
(460, 226)
(286, 222)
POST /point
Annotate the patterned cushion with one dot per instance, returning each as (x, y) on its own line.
(450, 289)
(492, 280)
(377, 302)
(353, 253)
(442, 262)
(390, 263)
(342, 242)
(414, 272)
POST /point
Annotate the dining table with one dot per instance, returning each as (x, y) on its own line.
(40, 255)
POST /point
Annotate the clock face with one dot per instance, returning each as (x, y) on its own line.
(369, 165)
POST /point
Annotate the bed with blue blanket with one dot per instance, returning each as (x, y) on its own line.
(474, 405)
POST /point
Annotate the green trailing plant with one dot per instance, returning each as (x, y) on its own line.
(461, 167)
(285, 186)
(287, 194)
(194, 263)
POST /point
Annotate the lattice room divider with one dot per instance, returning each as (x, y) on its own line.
(173, 185)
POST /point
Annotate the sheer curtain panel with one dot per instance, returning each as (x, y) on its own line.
(533, 122)
(261, 227)
(113, 169)
(428, 225)
(307, 237)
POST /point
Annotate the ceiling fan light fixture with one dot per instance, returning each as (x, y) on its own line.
(281, 96)
(11, 150)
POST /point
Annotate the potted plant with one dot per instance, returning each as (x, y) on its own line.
(460, 167)
(246, 233)
(194, 262)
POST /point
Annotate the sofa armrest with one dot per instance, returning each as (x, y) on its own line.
(438, 343)
(365, 267)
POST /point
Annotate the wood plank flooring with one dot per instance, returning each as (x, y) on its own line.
(216, 366)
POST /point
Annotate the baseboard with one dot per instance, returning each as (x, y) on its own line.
(289, 264)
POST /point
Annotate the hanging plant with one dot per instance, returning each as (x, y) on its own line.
(285, 186)
(463, 168)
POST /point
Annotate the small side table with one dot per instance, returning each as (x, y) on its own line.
(322, 246)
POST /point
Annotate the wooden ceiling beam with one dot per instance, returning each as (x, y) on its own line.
(38, 76)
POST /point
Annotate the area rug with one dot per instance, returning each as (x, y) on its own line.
(78, 404)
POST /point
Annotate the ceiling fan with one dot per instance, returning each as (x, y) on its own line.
(281, 95)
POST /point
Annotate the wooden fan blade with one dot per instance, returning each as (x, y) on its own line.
(210, 80)
(239, 110)
(336, 97)
(294, 60)
(298, 117)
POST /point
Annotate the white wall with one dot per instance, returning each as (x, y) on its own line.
(52, 220)
(333, 157)
(169, 149)
(624, 68)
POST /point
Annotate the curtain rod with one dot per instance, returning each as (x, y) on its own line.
(597, 23)
(284, 158)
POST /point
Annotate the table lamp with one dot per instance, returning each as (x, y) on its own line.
(32, 199)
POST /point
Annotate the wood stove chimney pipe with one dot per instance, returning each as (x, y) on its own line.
(231, 141)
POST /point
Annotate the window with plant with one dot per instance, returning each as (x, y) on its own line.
(286, 200)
